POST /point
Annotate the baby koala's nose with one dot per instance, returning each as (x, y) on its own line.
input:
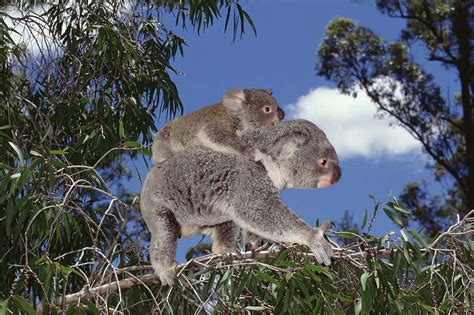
(281, 114)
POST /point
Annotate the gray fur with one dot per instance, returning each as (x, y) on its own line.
(210, 189)
(217, 126)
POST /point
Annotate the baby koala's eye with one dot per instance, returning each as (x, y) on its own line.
(267, 109)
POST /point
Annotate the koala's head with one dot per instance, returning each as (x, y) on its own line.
(301, 154)
(254, 108)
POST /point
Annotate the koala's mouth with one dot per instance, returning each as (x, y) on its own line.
(324, 182)
(330, 179)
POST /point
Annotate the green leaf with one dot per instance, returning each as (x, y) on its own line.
(87, 100)
(363, 280)
(403, 232)
(35, 153)
(203, 271)
(227, 18)
(133, 100)
(281, 257)
(132, 144)
(364, 221)
(249, 19)
(58, 152)
(241, 283)
(319, 269)
(10, 217)
(3, 307)
(393, 216)
(24, 305)
(345, 235)
(121, 130)
(398, 208)
(266, 277)
(255, 308)
(418, 237)
(406, 252)
(146, 152)
(358, 307)
(224, 278)
(385, 237)
(18, 153)
(91, 308)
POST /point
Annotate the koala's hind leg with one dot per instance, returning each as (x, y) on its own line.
(224, 237)
(251, 241)
(165, 231)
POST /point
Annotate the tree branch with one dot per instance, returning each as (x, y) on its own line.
(243, 258)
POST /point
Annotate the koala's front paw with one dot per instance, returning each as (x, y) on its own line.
(320, 247)
(167, 276)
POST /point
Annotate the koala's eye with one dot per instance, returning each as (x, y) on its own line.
(267, 109)
(322, 162)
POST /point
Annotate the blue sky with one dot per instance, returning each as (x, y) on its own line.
(282, 57)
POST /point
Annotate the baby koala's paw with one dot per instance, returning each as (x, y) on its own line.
(320, 247)
(247, 152)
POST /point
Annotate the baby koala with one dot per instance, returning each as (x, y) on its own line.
(218, 126)
(198, 189)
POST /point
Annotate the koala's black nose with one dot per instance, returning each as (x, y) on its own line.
(336, 174)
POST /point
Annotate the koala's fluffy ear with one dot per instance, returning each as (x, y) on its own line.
(285, 146)
(279, 141)
(234, 101)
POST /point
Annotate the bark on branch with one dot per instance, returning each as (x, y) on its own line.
(256, 257)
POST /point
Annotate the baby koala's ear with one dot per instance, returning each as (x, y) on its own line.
(234, 101)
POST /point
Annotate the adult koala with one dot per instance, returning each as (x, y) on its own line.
(199, 189)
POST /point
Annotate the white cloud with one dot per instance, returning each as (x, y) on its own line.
(351, 126)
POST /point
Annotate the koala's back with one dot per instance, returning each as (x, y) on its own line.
(199, 185)
(193, 121)
(182, 132)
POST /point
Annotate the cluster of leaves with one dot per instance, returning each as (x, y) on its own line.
(79, 102)
(371, 275)
(358, 60)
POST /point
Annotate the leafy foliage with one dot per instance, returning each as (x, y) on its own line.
(371, 275)
(355, 57)
(79, 100)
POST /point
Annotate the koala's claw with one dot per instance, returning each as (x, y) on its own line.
(323, 253)
(320, 247)
(327, 225)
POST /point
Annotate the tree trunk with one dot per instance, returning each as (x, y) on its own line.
(463, 33)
